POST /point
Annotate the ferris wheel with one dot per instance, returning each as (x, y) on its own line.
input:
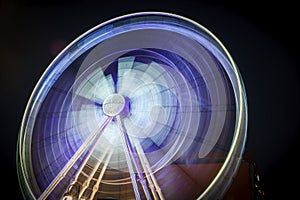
(138, 107)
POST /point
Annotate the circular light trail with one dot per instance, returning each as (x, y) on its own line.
(144, 106)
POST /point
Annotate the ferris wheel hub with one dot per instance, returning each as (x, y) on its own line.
(113, 105)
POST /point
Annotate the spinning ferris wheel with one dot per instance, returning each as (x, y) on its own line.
(138, 107)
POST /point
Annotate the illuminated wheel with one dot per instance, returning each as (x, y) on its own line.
(144, 106)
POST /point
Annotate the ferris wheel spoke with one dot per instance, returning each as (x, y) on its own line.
(155, 188)
(125, 65)
(86, 183)
(103, 87)
(96, 186)
(131, 158)
(89, 143)
(83, 164)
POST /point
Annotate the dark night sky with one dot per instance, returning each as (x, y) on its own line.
(261, 38)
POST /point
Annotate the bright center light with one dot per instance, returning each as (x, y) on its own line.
(113, 105)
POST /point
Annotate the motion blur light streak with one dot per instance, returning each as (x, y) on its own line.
(136, 107)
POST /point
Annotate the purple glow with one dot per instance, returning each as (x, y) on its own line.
(149, 94)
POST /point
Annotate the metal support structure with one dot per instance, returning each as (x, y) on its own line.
(91, 139)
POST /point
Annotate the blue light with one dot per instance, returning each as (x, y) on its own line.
(183, 103)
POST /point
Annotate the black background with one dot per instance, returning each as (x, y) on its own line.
(261, 36)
